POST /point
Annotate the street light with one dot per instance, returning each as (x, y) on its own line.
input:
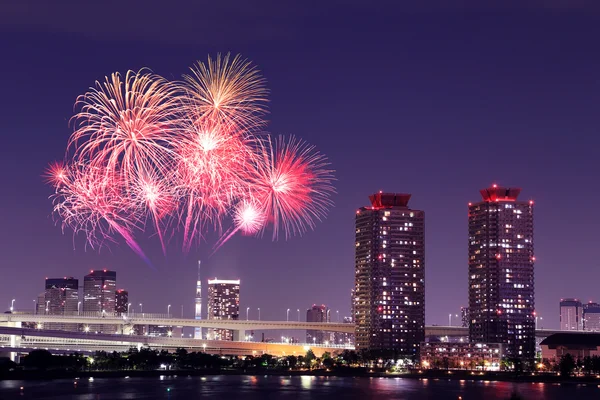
(141, 308)
(287, 315)
(34, 306)
(169, 311)
(182, 311)
(12, 305)
(449, 319)
(128, 305)
(204, 347)
(47, 302)
(78, 304)
(259, 313)
(247, 309)
(338, 315)
(536, 321)
(298, 315)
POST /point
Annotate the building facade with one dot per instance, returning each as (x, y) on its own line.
(591, 317)
(389, 292)
(501, 272)
(61, 297)
(121, 301)
(461, 355)
(571, 315)
(317, 314)
(99, 297)
(464, 317)
(223, 303)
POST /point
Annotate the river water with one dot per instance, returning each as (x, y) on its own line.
(294, 387)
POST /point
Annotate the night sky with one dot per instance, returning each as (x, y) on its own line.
(433, 100)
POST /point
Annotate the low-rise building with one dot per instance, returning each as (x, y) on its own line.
(465, 355)
(579, 345)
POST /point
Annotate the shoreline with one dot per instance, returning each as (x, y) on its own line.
(29, 375)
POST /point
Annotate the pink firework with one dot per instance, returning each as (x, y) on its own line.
(212, 165)
(56, 174)
(292, 184)
(227, 92)
(153, 156)
(88, 201)
(154, 197)
(126, 124)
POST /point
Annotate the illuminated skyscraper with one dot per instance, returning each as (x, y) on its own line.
(591, 317)
(223, 303)
(389, 293)
(60, 298)
(198, 303)
(317, 314)
(99, 287)
(571, 315)
(501, 284)
(121, 301)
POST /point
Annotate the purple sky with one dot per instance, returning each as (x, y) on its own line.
(434, 101)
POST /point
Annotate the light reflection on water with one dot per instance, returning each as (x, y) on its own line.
(297, 387)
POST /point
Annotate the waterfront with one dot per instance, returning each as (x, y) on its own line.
(292, 387)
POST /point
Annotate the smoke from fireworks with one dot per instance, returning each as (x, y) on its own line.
(148, 155)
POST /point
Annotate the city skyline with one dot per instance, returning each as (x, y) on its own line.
(414, 103)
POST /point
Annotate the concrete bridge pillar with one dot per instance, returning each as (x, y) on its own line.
(239, 335)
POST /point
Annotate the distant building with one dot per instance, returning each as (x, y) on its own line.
(40, 306)
(390, 275)
(571, 315)
(464, 317)
(61, 297)
(501, 272)
(99, 297)
(317, 314)
(223, 303)
(343, 337)
(121, 301)
(461, 355)
(591, 317)
(579, 345)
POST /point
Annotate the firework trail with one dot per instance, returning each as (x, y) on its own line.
(151, 155)
(87, 199)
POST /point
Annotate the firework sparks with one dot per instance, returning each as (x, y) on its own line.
(150, 153)
(293, 185)
(226, 91)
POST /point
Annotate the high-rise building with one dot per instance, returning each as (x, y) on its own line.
(121, 301)
(61, 297)
(591, 317)
(317, 314)
(571, 315)
(99, 287)
(198, 304)
(223, 303)
(464, 317)
(501, 284)
(390, 275)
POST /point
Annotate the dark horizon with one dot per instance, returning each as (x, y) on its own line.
(433, 100)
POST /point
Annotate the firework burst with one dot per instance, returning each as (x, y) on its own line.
(293, 185)
(147, 153)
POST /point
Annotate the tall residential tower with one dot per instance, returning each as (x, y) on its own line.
(501, 281)
(389, 292)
